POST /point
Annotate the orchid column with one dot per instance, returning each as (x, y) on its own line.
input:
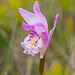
(38, 40)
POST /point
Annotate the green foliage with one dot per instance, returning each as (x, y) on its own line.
(3, 11)
(67, 71)
(73, 73)
(66, 3)
(56, 68)
(3, 44)
(15, 4)
(2, 41)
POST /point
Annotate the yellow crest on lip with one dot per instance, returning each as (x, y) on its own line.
(33, 41)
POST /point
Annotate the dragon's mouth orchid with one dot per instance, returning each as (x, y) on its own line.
(38, 40)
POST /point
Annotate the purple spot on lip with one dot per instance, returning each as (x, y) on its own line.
(30, 52)
(32, 49)
(31, 36)
(35, 44)
(29, 40)
(31, 33)
(36, 41)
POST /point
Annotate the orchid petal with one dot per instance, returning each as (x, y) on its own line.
(37, 27)
(37, 11)
(27, 27)
(43, 51)
(45, 40)
(51, 32)
(23, 44)
(30, 18)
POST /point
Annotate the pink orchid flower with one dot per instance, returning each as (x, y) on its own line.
(38, 40)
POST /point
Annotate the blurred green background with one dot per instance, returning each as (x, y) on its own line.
(60, 56)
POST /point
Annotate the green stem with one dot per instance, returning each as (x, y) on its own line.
(41, 65)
